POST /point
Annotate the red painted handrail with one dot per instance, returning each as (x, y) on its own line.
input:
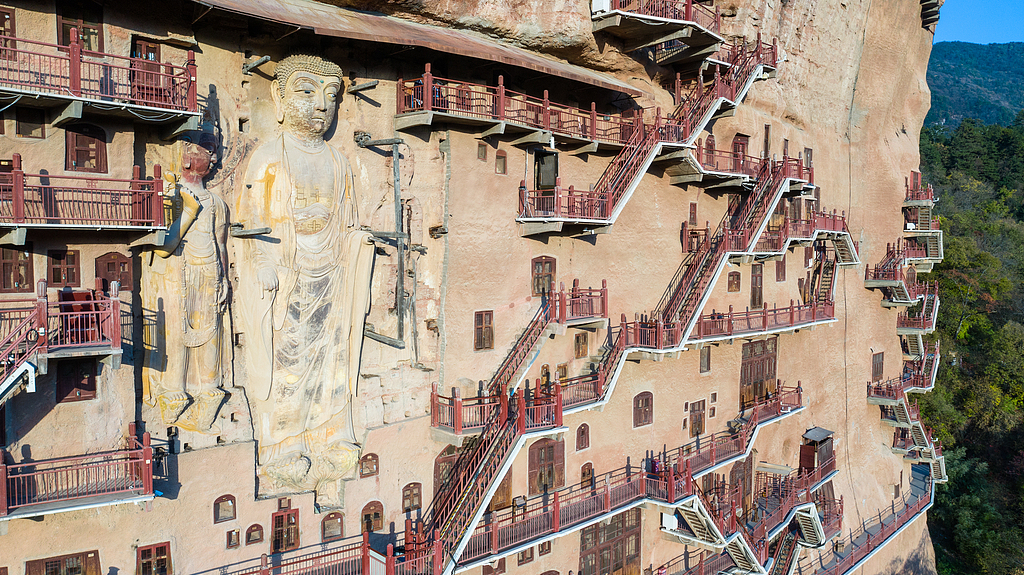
(68, 479)
(44, 199)
(72, 71)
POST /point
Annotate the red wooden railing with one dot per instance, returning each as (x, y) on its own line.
(920, 373)
(497, 103)
(44, 199)
(758, 321)
(686, 10)
(872, 535)
(773, 239)
(700, 563)
(725, 161)
(50, 326)
(73, 71)
(918, 190)
(925, 319)
(68, 479)
(790, 491)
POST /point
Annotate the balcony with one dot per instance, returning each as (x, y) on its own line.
(35, 330)
(644, 23)
(919, 374)
(70, 76)
(429, 99)
(922, 321)
(918, 193)
(46, 201)
(715, 169)
(35, 488)
(724, 326)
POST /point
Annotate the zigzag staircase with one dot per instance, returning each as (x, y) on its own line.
(696, 108)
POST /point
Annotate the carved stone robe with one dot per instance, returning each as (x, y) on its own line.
(303, 341)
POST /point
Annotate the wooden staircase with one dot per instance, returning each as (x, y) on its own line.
(786, 554)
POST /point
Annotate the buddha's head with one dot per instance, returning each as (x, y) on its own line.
(306, 95)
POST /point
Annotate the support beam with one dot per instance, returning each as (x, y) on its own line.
(538, 137)
(70, 113)
(495, 130)
(590, 148)
(13, 237)
(406, 121)
(189, 124)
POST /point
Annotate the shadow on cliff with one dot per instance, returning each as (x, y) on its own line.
(919, 561)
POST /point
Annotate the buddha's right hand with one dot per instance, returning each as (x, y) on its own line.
(267, 278)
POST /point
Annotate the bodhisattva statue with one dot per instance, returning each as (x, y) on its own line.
(188, 288)
(304, 288)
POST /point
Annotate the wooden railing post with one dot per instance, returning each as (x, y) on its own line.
(147, 464)
(712, 450)
(434, 406)
(364, 552)
(264, 565)
(389, 567)
(115, 315)
(593, 121)
(604, 298)
(689, 10)
(42, 316)
(556, 515)
(75, 64)
(558, 404)
(503, 405)
(731, 323)
(428, 89)
(563, 314)
(457, 410)
(501, 97)
(521, 403)
(193, 84)
(438, 551)
(18, 197)
(158, 196)
(671, 483)
(607, 496)
(792, 314)
(547, 111)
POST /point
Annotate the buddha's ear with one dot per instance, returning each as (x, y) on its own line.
(275, 95)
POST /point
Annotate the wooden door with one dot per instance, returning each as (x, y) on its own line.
(150, 85)
(756, 286)
(697, 410)
(545, 166)
(739, 151)
(587, 476)
(757, 371)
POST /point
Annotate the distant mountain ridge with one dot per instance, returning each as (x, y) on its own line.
(984, 81)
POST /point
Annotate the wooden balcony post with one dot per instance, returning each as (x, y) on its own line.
(42, 315)
(501, 97)
(158, 198)
(521, 403)
(607, 496)
(678, 89)
(764, 316)
(600, 383)
(18, 197)
(558, 404)
(547, 111)
(731, 324)
(556, 515)
(689, 479)
(364, 552)
(190, 70)
(689, 10)
(428, 91)
(492, 538)
(438, 551)
(792, 314)
(503, 405)
(457, 413)
(434, 407)
(389, 566)
(593, 121)
(75, 64)
(671, 483)
(115, 315)
(264, 565)
(147, 464)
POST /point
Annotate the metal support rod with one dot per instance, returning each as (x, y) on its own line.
(361, 87)
(400, 240)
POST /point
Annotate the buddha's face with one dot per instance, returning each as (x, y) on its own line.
(197, 161)
(308, 105)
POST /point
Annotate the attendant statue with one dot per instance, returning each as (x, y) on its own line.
(304, 288)
(186, 283)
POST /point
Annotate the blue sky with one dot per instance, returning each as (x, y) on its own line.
(981, 21)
